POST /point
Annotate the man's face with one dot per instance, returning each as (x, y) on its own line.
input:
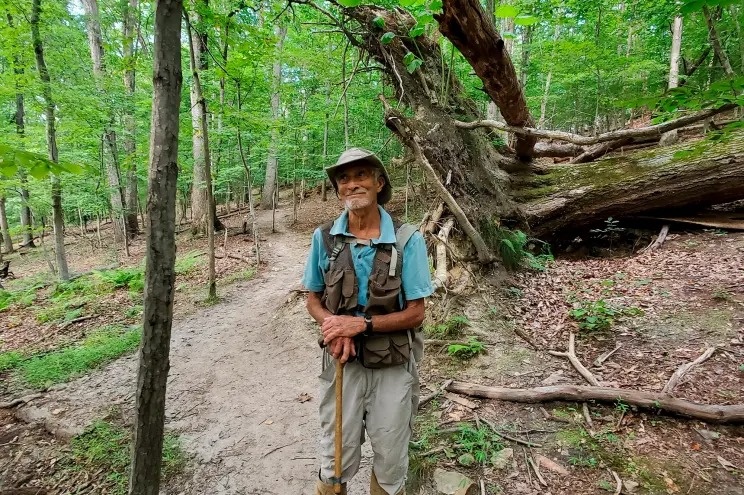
(357, 186)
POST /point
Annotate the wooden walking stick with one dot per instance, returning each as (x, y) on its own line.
(338, 440)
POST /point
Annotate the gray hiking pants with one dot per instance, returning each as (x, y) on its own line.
(381, 401)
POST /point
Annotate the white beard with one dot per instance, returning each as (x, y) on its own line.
(357, 203)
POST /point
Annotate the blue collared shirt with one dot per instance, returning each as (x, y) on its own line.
(416, 279)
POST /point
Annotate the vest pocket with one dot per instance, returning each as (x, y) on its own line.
(341, 291)
(383, 297)
(385, 350)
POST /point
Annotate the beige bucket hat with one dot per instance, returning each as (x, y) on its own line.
(356, 156)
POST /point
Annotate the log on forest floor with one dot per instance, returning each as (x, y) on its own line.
(575, 197)
(655, 401)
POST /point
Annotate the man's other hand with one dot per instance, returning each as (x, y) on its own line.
(337, 326)
(342, 348)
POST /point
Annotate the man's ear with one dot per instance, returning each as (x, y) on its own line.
(380, 183)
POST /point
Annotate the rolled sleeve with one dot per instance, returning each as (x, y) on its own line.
(312, 279)
(416, 276)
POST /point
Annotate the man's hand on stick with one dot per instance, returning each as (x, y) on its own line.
(342, 348)
(341, 326)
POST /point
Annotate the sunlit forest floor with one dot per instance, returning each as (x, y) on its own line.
(242, 402)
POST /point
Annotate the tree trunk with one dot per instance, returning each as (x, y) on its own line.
(470, 29)
(199, 193)
(574, 197)
(326, 121)
(211, 214)
(544, 103)
(160, 256)
(671, 136)
(51, 137)
(7, 240)
(272, 162)
(524, 69)
(110, 152)
(716, 42)
(129, 143)
(26, 225)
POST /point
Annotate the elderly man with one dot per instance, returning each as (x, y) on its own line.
(367, 278)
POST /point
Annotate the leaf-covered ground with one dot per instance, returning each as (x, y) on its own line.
(660, 310)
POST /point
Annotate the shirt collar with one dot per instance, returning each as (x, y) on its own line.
(387, 229)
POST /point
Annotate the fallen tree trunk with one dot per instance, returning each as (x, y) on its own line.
(573, 197)
(648, 400)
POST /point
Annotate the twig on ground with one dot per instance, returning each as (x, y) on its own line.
(682, 370)
(588, 418)
(618, 482)
(656, 244)
(508, 437)
(571, 355)
(533, 464)
(604, 357)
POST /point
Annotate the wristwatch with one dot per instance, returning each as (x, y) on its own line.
(368, 322)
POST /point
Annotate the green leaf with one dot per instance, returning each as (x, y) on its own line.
(506, 11)
(408, 58)
(387, 38)
(435, 5)
(691, 6)
(526, 20)
(407, 3)
(427, 18)
(416, 31)
(415, 64)
(39, 171)
(508, 36)
(350, 3)
(378, 22)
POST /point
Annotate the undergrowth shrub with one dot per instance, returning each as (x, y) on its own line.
(515, 248)
(478, 444)
(598, 316)
(104, 447)
(9, 360)
(466, 351)
(451, 328)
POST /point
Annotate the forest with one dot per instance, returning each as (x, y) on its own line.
(576, 168)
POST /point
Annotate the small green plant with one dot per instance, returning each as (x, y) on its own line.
(10, 360)
(723, 295)
(22, 297)
(451, 328)
(515, 248)
(582, 461)
(246, 274)
(104, 447)
(466, 351)
(606, 485)
(621, 406)
(594, 316)
(481, 444)
(134, 311)
(514, 292)
(741, 367)
(610, 232)
(131, 278)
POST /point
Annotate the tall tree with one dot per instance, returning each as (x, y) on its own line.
(129, 143)
(160, 274)
(110, 151)
(20, 125)
(272, 162)
(715, 40)
(671, 136)
(4, 229)
(51, 138)
(197, 91)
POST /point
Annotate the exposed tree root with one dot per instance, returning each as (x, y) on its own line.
(682, 370)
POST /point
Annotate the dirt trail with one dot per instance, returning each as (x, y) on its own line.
(237, 372)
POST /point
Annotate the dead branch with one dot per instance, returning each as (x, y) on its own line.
(682, 370)
(640, 398)
(659, 240)
(571, 355)
(235, 257)
(641, 132)
(508, 437)
(76, 320)
(440, 275)
(619, 483)
(604, 357)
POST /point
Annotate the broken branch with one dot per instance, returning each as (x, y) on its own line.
(640, 398)
(650, 131)
(571, 355)
(682, 370)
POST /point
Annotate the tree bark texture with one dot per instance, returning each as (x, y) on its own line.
(110, 152)
(199, 195)
(572, 197)
(129, 141)
(648, 400)
(26, 225)
(470, 29)
(7, 240)
(20, 122)
(671, 136)
(160, 274)
(51, 138)
(272, 162)
(211, 214)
